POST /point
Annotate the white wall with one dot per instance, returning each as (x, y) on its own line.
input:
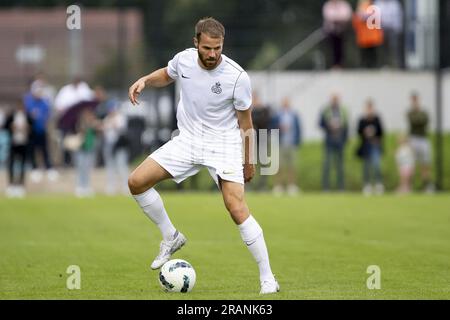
(390, 90)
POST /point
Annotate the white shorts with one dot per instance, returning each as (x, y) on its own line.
(422, 149)
(184, 157)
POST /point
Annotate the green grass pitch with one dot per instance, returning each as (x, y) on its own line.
(320, 247)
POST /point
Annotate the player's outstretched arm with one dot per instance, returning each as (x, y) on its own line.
(156, 79)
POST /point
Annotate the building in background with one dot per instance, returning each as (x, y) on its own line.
(42, 42)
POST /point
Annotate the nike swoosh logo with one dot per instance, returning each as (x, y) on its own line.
(228, 172)
(183, 76)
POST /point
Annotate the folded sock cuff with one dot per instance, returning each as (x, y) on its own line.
(250, 229)
(146, 198)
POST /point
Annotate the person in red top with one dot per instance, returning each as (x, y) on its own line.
(369, 35)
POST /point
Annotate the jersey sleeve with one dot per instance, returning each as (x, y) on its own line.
(172, 66)
(242, 98)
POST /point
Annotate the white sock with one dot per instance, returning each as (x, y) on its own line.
(152, 205)
(252, 235)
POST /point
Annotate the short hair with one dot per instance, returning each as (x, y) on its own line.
(209, 26)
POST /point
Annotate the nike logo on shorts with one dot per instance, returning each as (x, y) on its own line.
(183, 76)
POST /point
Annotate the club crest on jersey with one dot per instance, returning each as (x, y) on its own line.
(216, 88)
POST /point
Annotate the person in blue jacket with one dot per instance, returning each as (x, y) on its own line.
(38, 108)
(288, 122)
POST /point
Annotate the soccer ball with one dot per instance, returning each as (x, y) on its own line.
(177, 275)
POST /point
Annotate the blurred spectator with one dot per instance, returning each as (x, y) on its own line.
(38, 108)
(368, 37)
(404, 157)
(88, 126)
(4, 138)
(71, 94)
(392, 25)
(105, 103)
(337, 15)
(418, 124)
(48, 91)
(288, 122)
(334, 122)
(19, 126)
(115, 151)
(370, 130)
(261, 116)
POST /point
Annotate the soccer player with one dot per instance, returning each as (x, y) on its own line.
(214, 107)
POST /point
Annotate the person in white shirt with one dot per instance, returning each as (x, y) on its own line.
(71, 94)
(68, 96)
(214, 107)
(392, 23)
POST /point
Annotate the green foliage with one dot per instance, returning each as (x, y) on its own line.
(267, 55)
(134, 66)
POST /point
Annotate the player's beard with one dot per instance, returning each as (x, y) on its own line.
(209, 63)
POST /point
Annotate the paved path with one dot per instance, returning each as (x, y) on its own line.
(64, 185)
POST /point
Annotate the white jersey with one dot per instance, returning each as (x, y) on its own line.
(209, 98)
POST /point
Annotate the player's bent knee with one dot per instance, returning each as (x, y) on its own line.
(132, 184)
(136, 185)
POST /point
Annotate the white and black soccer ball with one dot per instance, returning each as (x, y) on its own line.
(177, 275)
